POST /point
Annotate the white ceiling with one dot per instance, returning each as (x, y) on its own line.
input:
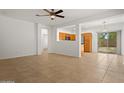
(108, 21)
(70, 15)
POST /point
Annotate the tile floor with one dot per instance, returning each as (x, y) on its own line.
(54, 68)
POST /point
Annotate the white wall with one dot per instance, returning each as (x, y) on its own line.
(67, 48)
(17, 38)
(51, 39)
(70, 48)
(118, 42)
(122, 42)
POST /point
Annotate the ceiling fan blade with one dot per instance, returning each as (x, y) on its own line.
(41, 15)
(60, 11)
(60, 16)
(47, 10)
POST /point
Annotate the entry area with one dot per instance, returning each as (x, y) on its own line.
(86, 42)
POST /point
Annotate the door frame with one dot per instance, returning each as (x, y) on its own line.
(39, 50)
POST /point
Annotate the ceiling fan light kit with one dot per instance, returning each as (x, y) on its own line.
(52, 13)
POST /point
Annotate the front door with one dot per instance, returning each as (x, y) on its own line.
(87, 42)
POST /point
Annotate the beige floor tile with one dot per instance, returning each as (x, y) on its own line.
(112, 77)
(54, 68)
(117, 65)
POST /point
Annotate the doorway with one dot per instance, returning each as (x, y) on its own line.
(86, 42)
(107, 42)
(44, 39)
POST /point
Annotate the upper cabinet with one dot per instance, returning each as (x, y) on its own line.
(67, 36)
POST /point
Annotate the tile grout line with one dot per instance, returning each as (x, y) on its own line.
(106, 72)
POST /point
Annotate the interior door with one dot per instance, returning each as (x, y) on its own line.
(87, 42)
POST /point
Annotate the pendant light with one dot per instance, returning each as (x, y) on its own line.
(104, 27)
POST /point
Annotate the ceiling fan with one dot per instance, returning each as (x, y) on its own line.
(52, 13)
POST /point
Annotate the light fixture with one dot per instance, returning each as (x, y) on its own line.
(52, 16)
(106, 34)
(104, 27)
